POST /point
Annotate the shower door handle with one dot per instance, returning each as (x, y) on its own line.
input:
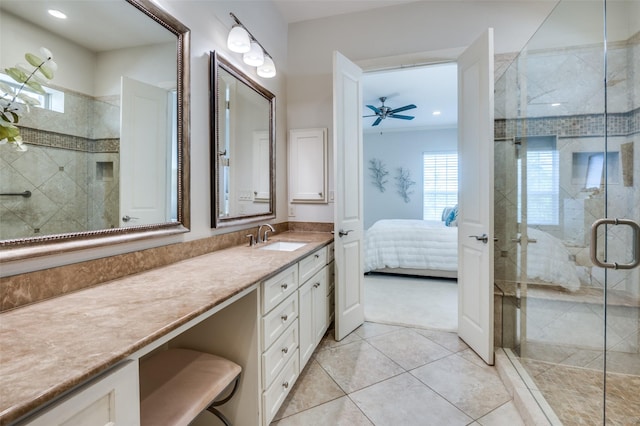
(635, 249)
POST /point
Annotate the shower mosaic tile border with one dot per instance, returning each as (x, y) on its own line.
(70, 142)
(588, 125)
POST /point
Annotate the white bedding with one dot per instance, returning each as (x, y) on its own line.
(430, 245)
(411, 244)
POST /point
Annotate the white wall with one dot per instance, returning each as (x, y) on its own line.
(400, 149)
(406, 34)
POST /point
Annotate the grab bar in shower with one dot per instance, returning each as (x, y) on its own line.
(25, 194)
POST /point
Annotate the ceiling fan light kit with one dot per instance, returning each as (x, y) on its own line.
(384, 111)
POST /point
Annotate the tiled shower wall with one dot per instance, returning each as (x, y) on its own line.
(71, 169)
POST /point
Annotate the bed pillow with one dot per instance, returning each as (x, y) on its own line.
(452, 217)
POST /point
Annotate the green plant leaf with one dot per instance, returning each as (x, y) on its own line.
(36, 87)
(46, 71)
(9, 117)
(9, 133)
(16, 74)
(33, 59)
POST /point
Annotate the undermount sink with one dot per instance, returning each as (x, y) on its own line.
(283, 246)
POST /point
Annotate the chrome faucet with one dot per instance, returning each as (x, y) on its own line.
(266, 233)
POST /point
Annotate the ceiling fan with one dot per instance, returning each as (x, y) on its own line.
(384, 111)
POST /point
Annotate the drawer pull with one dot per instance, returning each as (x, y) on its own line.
(284, 317)
(285, 385)
(316, 256)
(316, 285)
(285, 350)
(284, 286)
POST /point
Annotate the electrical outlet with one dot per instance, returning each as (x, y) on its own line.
(292, 211)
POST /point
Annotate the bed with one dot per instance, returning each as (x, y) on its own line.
(430, 248)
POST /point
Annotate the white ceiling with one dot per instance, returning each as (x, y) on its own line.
(431, 88)
(305, 10)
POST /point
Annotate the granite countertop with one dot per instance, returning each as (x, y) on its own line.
(52, 346)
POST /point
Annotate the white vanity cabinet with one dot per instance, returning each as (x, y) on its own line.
(110, 399)
(294, 317)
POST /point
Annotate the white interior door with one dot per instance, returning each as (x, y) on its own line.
(475, 221)
(145, 154)
(347, 161)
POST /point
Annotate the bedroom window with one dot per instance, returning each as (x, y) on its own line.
(543, 182)
(440, 183)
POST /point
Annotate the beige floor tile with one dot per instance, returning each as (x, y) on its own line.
(408, 348)
(339, 412)
(449, 340)
(474, 389)
(328, 341)
(314, 387)
(404, 400)
(505, 415)
(356, 365)
(371, 329)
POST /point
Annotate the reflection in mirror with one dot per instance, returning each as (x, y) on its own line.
(107, 152)
(242, 152)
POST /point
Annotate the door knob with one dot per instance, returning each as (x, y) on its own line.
(342, 233)
(127, 218)
(484, 238)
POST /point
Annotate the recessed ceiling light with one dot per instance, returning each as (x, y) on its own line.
(436, 113)
(555, 104)
(57, 14)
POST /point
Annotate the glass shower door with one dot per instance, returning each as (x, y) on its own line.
(567, 154)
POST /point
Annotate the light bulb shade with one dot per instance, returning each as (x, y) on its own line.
(255, 56)
(267, 69)
(238, 40)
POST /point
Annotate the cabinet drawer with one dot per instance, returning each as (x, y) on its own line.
(312, 264)
(276, 357)
(278, 288)
(277, 321)
(275, 394)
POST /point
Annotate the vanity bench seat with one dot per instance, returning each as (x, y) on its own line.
(55, 347)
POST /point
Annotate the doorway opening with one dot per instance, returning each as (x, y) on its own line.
(410, 196)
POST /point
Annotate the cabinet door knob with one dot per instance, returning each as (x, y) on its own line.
(316, 256)
(285, 385)
(285, 350)
(316, 285)
(284, 286)
(284, 317)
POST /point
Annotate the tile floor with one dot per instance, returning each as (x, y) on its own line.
(401, 376)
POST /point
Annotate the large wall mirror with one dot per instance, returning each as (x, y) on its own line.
(107, 155)
(242, 149)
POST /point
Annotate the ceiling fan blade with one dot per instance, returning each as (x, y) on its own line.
(404, 108)
(374, 109)
(401, 117)
(378, 120)
(372, 115)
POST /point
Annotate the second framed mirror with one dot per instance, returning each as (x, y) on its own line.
(242, 147)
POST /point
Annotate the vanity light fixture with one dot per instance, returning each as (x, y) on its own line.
(57, 14)
(255, 56)
(240, 40)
